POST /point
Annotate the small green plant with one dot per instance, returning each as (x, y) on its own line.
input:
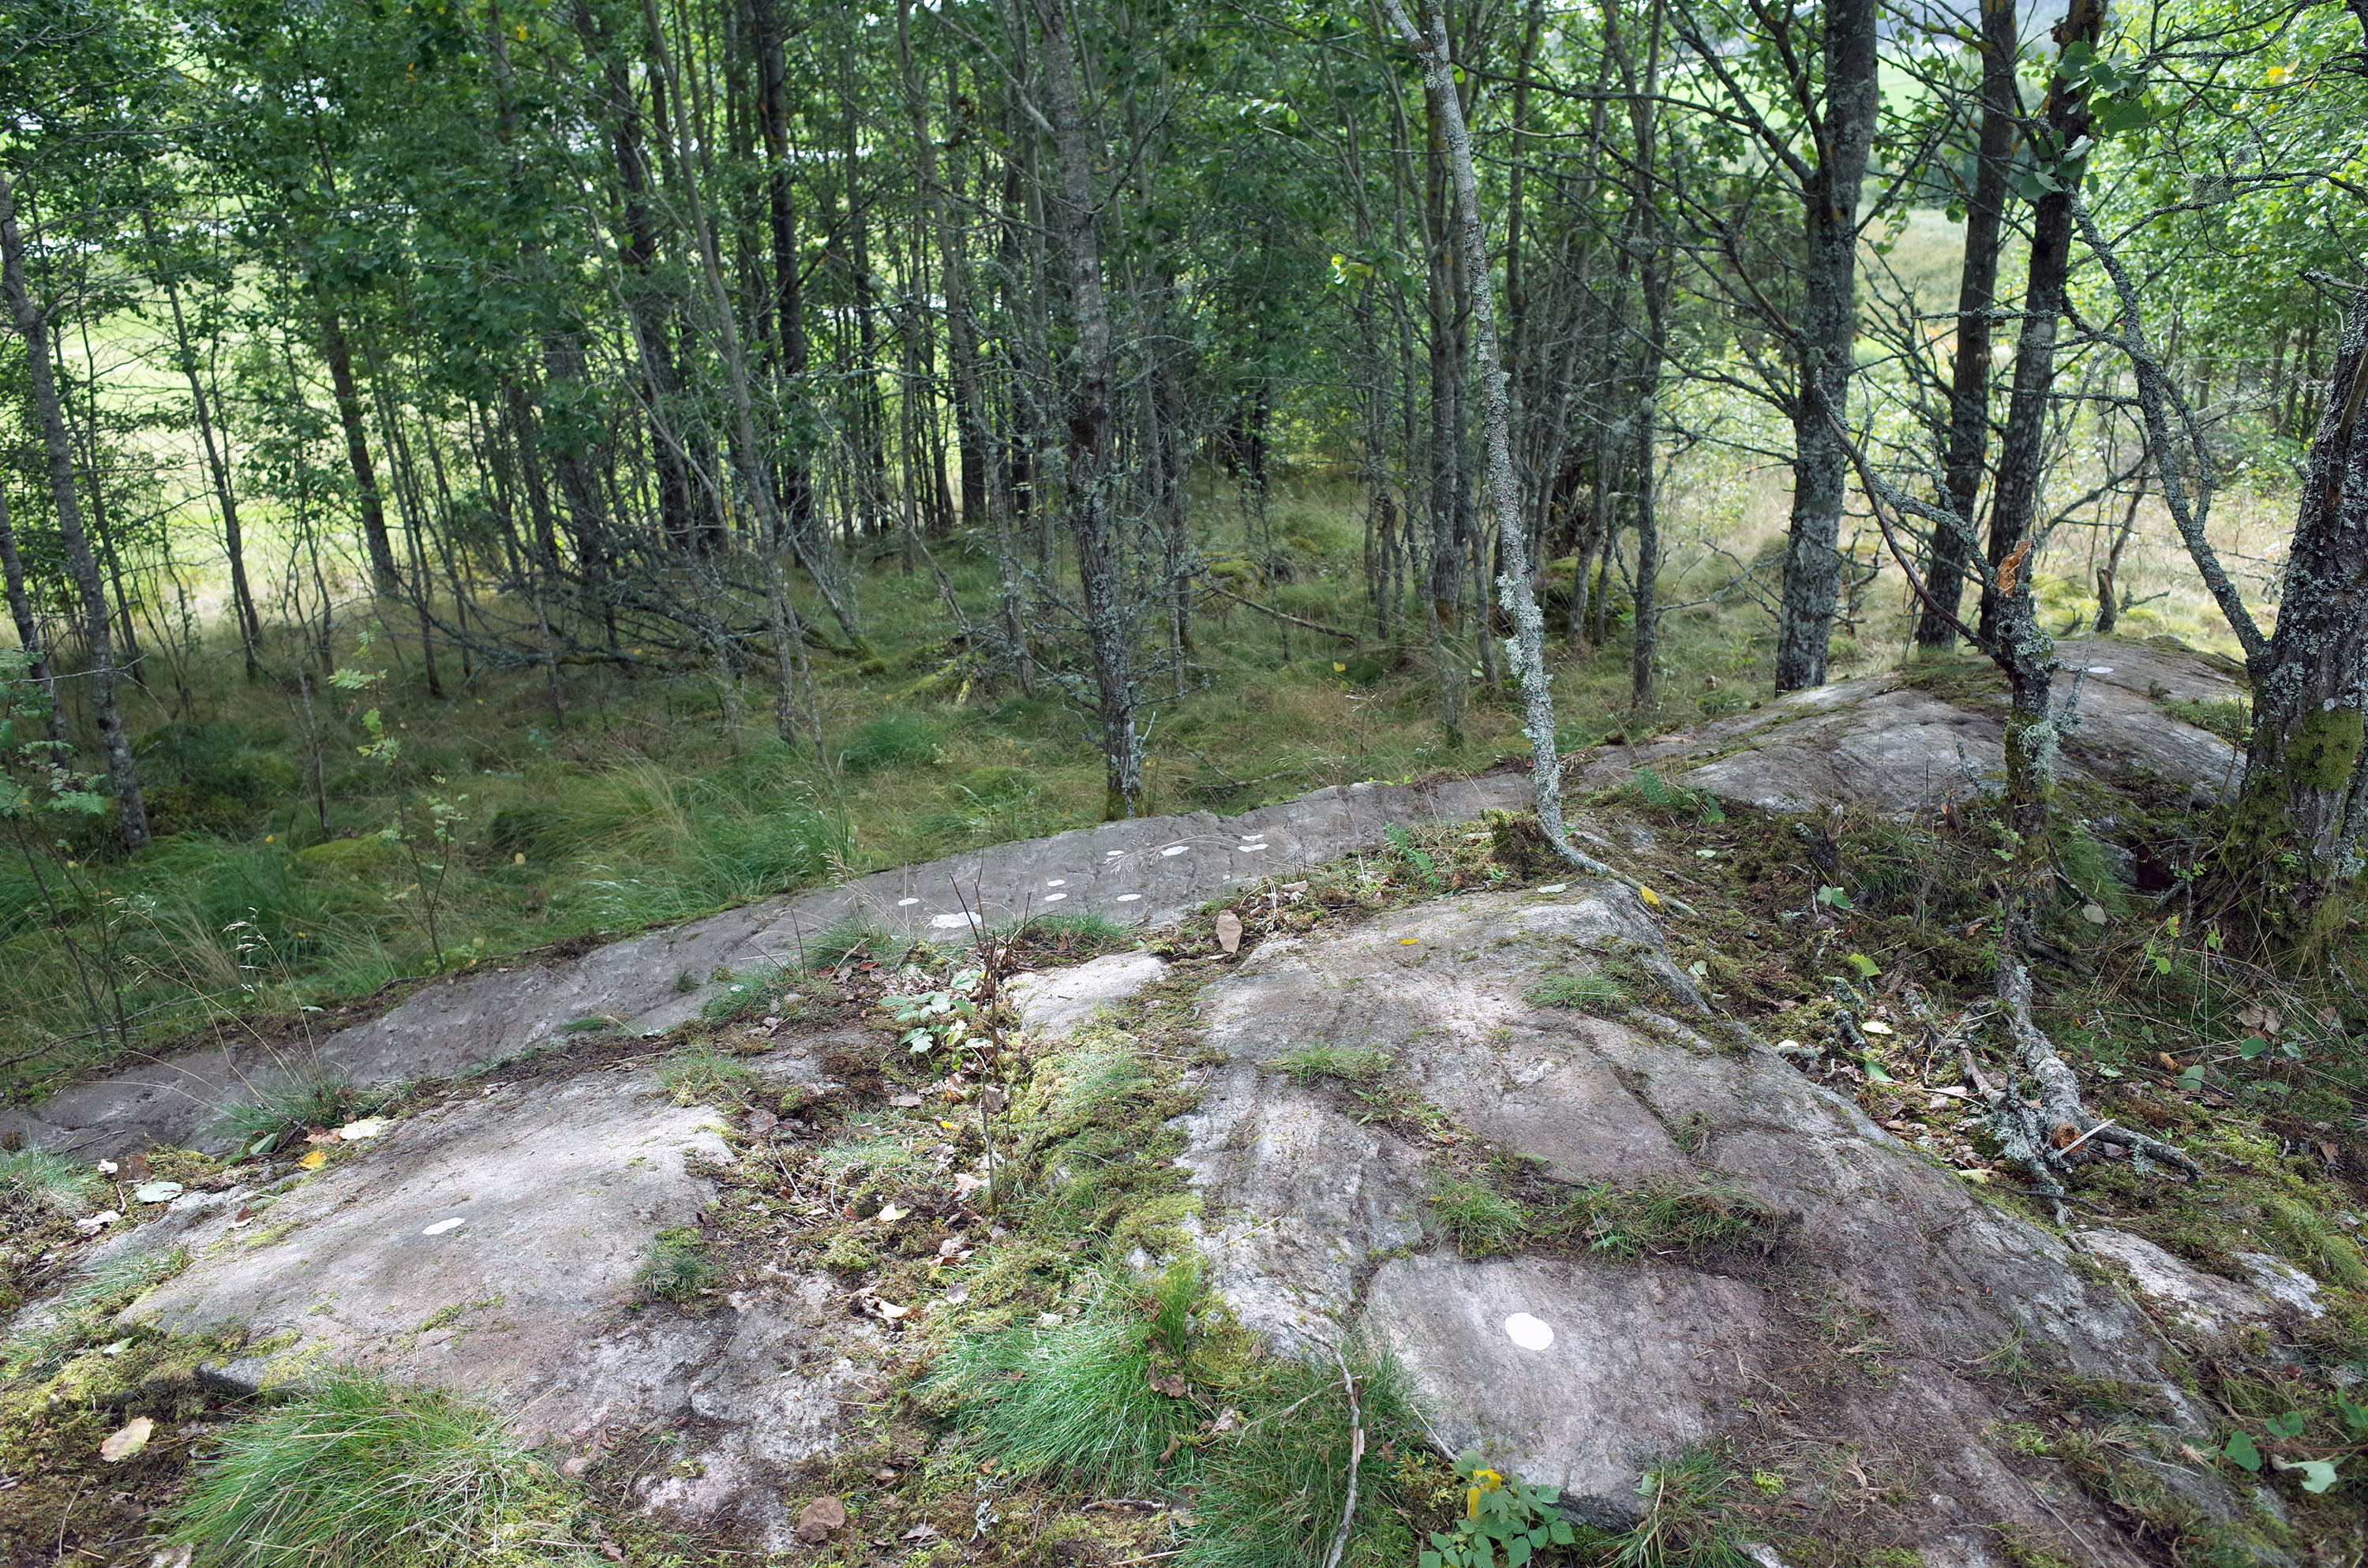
(1591, 989)
(704, 1076)
(1499, 1511)
(365, 1472)
(1311, 1063)
(850, 940)
(1676, 800)
(593, 1023)
(677, 1267)
(941, 1019)
(1663, 1216)
(1402, 842)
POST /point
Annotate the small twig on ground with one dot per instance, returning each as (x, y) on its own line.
(1356, 1462)
(1284, 615)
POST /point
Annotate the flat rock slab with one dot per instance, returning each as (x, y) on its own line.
(1580, 1371)
(1150, 870)
(1881, 742)
(527, 1301)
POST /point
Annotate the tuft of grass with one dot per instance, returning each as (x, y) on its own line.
(678, 1267)
(897, 738)
(294, 1103)
(1681, 1526)
(704, 1076)
(1350, 1064)
(850, 940)
(1075, 1400)
(1274, 1489)
(1483, 1221)
(364, 1472)
(1591, 989)
(46, 1179)
(1666, 1215)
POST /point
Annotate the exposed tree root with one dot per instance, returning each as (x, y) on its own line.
(2045, 1133)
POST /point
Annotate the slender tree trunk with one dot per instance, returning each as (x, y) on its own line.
(1528, 644)
(81, 565)
(1091, 415)
(1969, 387)
(1828, 334)
(335, 349)
(2014, 501)
(29, 627)
(789, 279)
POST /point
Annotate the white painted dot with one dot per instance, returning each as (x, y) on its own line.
(907, 902)
(1112, 853)
(1247, 847)
(1129, 897)
(1056, 883)
(1529, 1333)
(1174, 849)
(1054, 897)
(950, 922)
(441, 1226)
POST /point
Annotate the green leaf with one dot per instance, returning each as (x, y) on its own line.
(2287, 1426)
(2240, 1448)
(2252, 1045)
(2355, 1417)
(1867, 968)
(1516, 1551)
(1561, 1532)
(2192, 1078)
(1431, 1560)
(1874, 1072)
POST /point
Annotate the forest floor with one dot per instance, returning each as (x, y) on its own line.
(296, 870)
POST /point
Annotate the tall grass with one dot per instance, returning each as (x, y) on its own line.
(365, 1472)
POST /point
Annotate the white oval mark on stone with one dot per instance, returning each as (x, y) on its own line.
(950, 922)
(907, 902)
(2101, 669)
(1247, 847)
(1129, 897)
(441, 1226)
(1529, 1333)
(1174, 849)
(1054, 897)
(1112, 853)
(1057, 882)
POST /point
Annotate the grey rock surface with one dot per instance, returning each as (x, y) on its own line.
(528, 1302)
(1580, 1371)
(1056, 1003)
(1880, 742)
(1150, 870)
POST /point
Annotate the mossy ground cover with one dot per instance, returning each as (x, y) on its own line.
(1076, 1262)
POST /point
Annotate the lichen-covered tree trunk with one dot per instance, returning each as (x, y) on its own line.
(1827, 331)
(81, 565)
(1093, 513)
(1969, 385)
(2022, 446)
(2291, 814)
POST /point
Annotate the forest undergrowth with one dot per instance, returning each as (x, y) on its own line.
(319, 842)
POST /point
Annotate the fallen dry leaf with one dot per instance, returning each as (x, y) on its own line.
(993, 1099)
(368, 1127)
(1172, 1385)
(1229, 931)
(314, 1160)
(319, 1135)
(818, 1519)
(889, 1213)
(127, 1441)
(762, 1121)
(923, 1531)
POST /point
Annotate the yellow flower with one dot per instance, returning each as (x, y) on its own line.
(1484, 1480)
(2278, 75)
(1648, 895)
